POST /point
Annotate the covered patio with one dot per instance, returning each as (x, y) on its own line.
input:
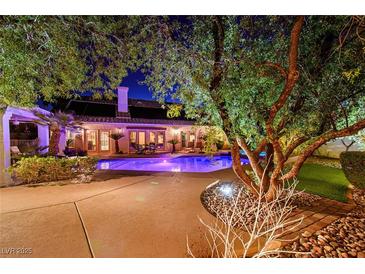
(16, 116)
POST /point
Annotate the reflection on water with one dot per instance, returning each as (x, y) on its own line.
(177, 164)
(176, 169)
(104, 165)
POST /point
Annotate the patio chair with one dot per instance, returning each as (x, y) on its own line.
(15, 154)
(140, 149)
(152, 147)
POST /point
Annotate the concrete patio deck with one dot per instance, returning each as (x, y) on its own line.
(141, 216)
(131, 216)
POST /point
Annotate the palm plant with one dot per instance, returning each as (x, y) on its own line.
(57, 122)
(116, 136)
(174, 142)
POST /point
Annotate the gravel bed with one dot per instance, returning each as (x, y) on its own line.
(344, 238)
(219, 199)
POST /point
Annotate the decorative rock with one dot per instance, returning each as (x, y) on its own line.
(322, 238)
(306, 234)
(317, 249)
(328, 248)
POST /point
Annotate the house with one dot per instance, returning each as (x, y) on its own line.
(142, 123)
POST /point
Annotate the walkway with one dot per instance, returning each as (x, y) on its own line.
(322, 212)
(139, 216)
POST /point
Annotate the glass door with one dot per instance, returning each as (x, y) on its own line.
(132, 139)
(104, 140)
(152, 137)
(160, 140)
(183, 139)
(141, 138)
(91, 139)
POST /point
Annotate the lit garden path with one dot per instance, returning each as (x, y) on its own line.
(140, 216)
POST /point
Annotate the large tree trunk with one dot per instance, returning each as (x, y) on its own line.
(275, 186)
(54, 141)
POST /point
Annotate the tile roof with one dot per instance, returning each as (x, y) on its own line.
(101, 119)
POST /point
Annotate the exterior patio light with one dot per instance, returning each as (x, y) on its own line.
(175, 131)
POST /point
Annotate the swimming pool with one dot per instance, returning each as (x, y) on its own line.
(176, 164)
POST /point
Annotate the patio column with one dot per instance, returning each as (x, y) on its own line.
(4, 146)
(43, 136)
(62, 144)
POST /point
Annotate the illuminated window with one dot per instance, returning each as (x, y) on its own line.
(91, 140)
(132, 138)
(70, 138)
(152, 137)
(141, 137)
(192, 137)
(104, 140)
(160, 138)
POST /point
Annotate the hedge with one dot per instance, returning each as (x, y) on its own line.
(46, 169)
(353, 165)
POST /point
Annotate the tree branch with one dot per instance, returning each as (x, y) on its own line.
(276, 66)
(324, 138)
(293, 73)
(240, 172)
(251, 157)
(293, 145)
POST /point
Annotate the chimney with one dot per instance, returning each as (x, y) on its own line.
(123, 99)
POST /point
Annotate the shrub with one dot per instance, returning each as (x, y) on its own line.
(353, 165)
(74, 152)
(45, 169)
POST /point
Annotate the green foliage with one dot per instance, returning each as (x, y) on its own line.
(213, 140)
(351, 74)
(174, 111)
(39, 61)
(180, 59)
(353, 165)
(45, 169)
(173, 141)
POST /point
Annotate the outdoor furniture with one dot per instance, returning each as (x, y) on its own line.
(140, 149)
(15, 154)
(152, 147)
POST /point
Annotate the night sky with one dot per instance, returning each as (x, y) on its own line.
(136, 90)
(140, 91)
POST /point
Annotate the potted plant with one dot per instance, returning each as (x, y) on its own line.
(174, 142)
(116, 137)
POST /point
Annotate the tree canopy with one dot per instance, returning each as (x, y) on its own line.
(274, 83)
(48, 57)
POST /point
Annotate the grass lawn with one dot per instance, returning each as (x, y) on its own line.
(324, 181)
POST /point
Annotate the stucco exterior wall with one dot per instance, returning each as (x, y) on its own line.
(170, 132)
